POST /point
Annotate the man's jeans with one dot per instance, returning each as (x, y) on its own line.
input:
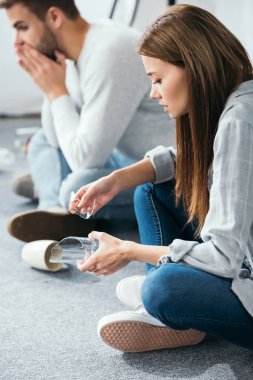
(178, 295)
(54, 180)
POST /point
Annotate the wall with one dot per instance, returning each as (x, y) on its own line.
(18, 94)
(237, 16)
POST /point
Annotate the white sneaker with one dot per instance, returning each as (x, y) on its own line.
(137, 331)
(128, 291)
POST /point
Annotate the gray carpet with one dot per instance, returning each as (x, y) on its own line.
(48, 321)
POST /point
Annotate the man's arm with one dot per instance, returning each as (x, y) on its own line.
(48, 123)
(113, 84)
(113, 87)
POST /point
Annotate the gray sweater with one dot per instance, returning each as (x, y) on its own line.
(108, 104)
(227, 233)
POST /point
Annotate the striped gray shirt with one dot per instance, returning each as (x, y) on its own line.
(227, 233)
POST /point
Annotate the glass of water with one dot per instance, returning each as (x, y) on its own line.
(73, 248)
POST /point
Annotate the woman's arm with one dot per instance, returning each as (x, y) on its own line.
(145, 253)
(113, 254)
(157, 166)
(227, 230)
(134, 175)
(106, 188)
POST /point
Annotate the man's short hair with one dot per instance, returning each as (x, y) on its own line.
(40, 7)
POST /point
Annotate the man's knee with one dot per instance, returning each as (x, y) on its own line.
(70, 184)
(74, 182)
(36, 143)
(38, 138)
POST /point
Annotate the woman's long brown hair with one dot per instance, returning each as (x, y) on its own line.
(216, 64)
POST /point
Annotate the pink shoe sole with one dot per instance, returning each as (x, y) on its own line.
(140, 337)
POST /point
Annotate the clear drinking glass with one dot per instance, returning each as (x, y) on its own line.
(73, 248)
(89, 212)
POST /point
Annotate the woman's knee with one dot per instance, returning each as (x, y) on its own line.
(144, 193)
(141, 192)
(141, 197)
(163, 291)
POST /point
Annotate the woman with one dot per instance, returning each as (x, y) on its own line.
(195, 209)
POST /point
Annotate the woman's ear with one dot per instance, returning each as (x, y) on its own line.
(54, 18)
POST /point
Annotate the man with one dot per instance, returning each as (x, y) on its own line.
(96, 117)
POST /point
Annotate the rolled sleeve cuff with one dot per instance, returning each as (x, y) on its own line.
(163, 161)
(180, 248)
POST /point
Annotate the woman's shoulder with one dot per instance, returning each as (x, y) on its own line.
(236, 121)
(239, 106)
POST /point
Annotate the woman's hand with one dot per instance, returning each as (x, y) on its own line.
(109, 258)
(102, 190)
(113, 254)
(106, 188)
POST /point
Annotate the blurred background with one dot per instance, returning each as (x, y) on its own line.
(19, 96)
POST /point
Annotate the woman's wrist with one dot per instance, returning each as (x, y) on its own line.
(116, 176)
(144, 253)
(130, 250)
(120, 178)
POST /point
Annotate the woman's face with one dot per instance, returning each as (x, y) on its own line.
(169, 85)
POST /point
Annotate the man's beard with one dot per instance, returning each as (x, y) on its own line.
(48, 44)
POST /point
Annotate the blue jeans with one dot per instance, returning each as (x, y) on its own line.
(181, 296)
(54, 181)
